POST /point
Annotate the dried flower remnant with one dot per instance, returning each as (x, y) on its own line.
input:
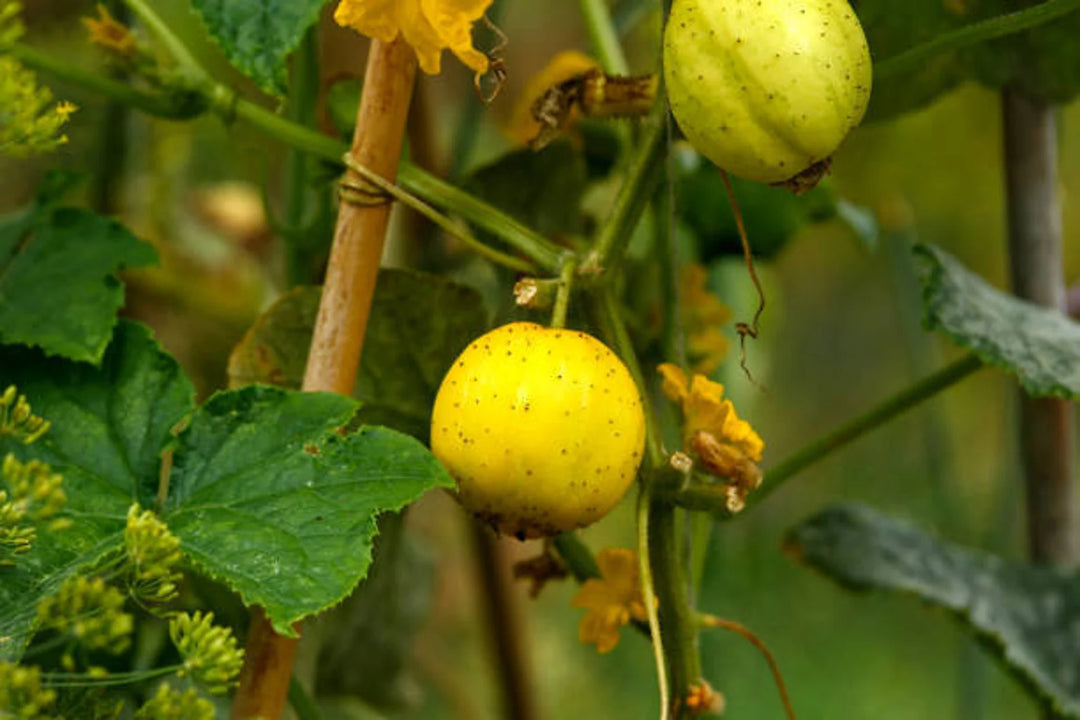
(723, 444)
(106, 32)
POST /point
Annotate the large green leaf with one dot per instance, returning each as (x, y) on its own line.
(257, 35)
(1043, 61)
(58, 286)
(1040, 346)
(271, 496)
(1029, 614)
(418, 325)
(109, 425)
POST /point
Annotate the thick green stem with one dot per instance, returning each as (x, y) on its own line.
(995, 27)
(678, 627)
(187, 105)
(646, 167)
(579, 560)
(710, 496)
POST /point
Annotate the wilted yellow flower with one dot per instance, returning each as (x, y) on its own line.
(110, 34)
(724, 445)
(703, 315)
(428, 26)
(523, 126)
(611, 600)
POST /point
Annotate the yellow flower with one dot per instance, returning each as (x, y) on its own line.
(427, 25)
(703, 315)
(725, 445)
(612, 600)
(523, 127)
(110, 34)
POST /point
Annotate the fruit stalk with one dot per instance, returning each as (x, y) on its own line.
(341, 323)
(1037, 273)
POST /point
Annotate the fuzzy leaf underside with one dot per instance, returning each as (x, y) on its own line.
(258, 35)
(418, 325)
(58, 285)
(109, 425)
(1029, 615)
(1040, 346)
(269, 496)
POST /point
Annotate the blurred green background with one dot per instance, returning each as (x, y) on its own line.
(840, 333)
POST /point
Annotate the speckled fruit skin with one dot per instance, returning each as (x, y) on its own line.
(543, 429)
(766, 88)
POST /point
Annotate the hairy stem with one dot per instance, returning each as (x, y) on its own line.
(341, 323)
(1037, 270)
(646, 167)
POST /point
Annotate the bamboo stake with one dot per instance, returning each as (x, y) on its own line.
(342, 321)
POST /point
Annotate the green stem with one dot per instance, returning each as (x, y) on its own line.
(709, 496)
(187, 105)
(542, 251)
(302, 104)
(189, 66)
(644, 173)
(604, 37)
(994, 27)
(578, 558)
(678, 627)
(461, 233)
(615, 329)
(562, 295)
(173, 106)
(648, 595)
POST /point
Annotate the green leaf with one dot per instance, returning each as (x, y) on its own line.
(109, 425)
(257, 35)
(1043, 61)
(418, 325)
(1027, 613)
(268, 496)
(1040, 346)
(58, 285)
(550, 200)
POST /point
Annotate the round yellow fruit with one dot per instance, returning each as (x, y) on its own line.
(542, 428)
(766, 88)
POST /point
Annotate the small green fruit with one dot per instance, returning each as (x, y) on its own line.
(542, 428)
(766, 88)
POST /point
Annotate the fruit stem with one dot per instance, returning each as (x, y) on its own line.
(710, 496)
(562, 294)
(342, 320)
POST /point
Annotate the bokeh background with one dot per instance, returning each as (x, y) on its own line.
(841, 332)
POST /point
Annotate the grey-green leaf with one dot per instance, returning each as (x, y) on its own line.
(58, 285)
(1029, 614)
(1040, 346)
(271, 496)
(108, 427)
(258, 35)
